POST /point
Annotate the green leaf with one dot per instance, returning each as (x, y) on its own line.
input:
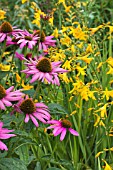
(53, 168)
(3, 74)
(56, 109)
(12, 164)
(38, 166)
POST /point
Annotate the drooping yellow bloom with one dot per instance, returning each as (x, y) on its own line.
(110, 70)
(4, 67)
(18, 78)
(110, 61)
(2, 13)
(98, 154)
(98, 121)
(107, 167)
(26, 87)
(85, 59)
(103, 111)
(93, 30)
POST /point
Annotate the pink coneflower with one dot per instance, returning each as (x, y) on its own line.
(4, 135)
(6, 29)
(26, 39)
(44, 69)
(6, 96)
(61, 127)
(45, 41)
(32, 110)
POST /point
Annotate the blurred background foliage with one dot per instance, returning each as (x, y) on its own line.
(91, 12)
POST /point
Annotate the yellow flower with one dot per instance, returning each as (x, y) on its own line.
(55, 33)
(85, 59)
(103, 111)
(61, 1)
(67, 8)
(81, 70)
(73, 112)
(4, 67)
(110, 61)
(37, 17)
(67, 65)
(80, 45)
(23, 1)
(51, 20)
(107, 93)
(66, 40)
(89, 49)
(64, 77)
(26, 87)
(18, 78)
(93, 30)
(2, 13)
(110, 70)
(98, 121)
(98, 154)
(107, 167)
(78, 33)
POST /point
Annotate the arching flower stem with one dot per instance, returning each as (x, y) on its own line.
(37, 90)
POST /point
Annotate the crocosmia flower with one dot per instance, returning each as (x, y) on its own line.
(26, 39)
(6, 30)
(45, 41)
(6, 96)
(44, 69)
(61, 127)
(32, 110)
(4, 135)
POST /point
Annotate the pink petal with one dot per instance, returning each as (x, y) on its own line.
(53, 122)
(3, 146)
(2, 105)
(59, 131)
(63, 134)
(51, 127)
(34, 78)
(39, 117)
(6, 102)
(72, 131)
(26, 118)
(34, 120)
(6, 136)
(9, 89)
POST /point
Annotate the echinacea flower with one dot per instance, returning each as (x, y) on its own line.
(4, 135)
(26, 39)
(44, 69)
(61, 127)
(6, 29)
(32, 110)
(45, 41)
(6, 96)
